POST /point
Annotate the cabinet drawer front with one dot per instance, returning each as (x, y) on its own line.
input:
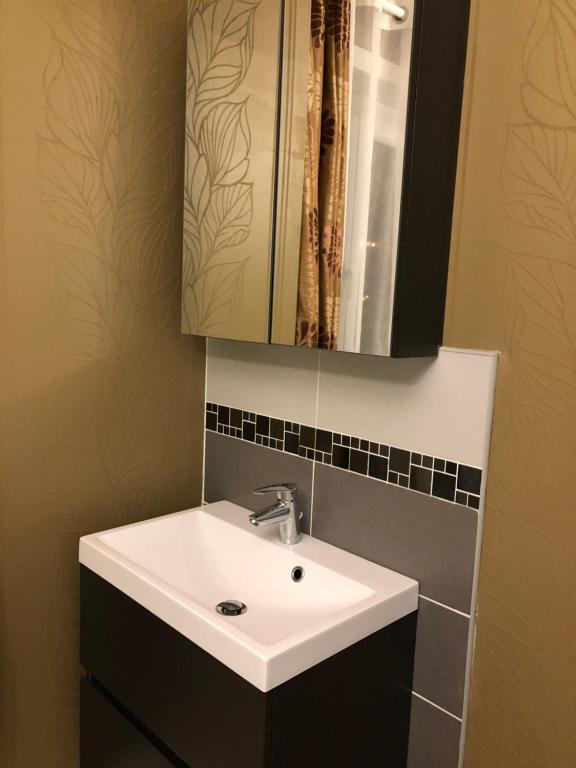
(109, 740)
(204, 712)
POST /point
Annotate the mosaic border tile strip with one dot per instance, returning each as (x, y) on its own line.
(442, 478)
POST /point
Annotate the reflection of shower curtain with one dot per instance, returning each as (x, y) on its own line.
(324, 176)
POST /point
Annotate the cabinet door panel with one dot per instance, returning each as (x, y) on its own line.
(201, 710)
(109, 740)
(231, 111)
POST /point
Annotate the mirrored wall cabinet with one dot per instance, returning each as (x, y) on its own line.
(321, 146)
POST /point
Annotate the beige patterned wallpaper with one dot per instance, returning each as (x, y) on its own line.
(513, 288)
(101, 399)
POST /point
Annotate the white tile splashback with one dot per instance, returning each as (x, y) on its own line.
(440, 407)
(274, 380)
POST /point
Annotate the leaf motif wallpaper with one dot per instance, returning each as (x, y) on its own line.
(513, 288)
(101, 396)
(233, 66)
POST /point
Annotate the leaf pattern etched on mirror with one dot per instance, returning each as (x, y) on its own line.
(219, 188)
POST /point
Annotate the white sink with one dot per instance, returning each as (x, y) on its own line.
(181, 566)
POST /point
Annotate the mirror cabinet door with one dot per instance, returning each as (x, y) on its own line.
(231, 113)
(380, 70)
(321, 146)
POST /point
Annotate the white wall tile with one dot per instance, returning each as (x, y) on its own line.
(442, 406)
(273, 380)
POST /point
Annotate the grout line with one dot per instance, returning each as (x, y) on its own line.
(316, 428)
(437, 706)
(203, 484)
(447, 607)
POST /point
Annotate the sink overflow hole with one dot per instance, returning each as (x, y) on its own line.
(297, 573)
(231, 608)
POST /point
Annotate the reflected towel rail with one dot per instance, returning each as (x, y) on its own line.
(386, 6)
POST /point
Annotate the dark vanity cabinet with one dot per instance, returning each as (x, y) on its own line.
(153, 699)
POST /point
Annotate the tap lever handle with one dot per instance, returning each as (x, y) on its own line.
(285, 491)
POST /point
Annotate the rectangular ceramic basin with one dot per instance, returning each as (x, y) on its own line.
(181, 566)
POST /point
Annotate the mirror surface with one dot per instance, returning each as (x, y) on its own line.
(378, 104)
(321, 144)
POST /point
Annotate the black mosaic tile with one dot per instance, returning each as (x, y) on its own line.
(307, 436)
(341, 457)
(426, 474)
(469, 479)
(291, 442)
(262, 425)
(276, 429)
(323, 440)
(399, 460)
(421, 479)
(474, 501)
(358, 461)
(378, 467)
(248, 431)
(235, 418)
(444, 486)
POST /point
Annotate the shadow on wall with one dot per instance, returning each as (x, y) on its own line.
(101, 422)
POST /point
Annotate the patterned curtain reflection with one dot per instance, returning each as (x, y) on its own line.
(321, 244)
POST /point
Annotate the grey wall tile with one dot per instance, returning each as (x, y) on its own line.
(434, 737)
(441, 648)
(426, 538)
(235, 467)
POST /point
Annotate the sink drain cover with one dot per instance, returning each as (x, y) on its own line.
(231, 608)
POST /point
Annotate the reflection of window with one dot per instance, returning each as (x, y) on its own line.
(378, 103)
